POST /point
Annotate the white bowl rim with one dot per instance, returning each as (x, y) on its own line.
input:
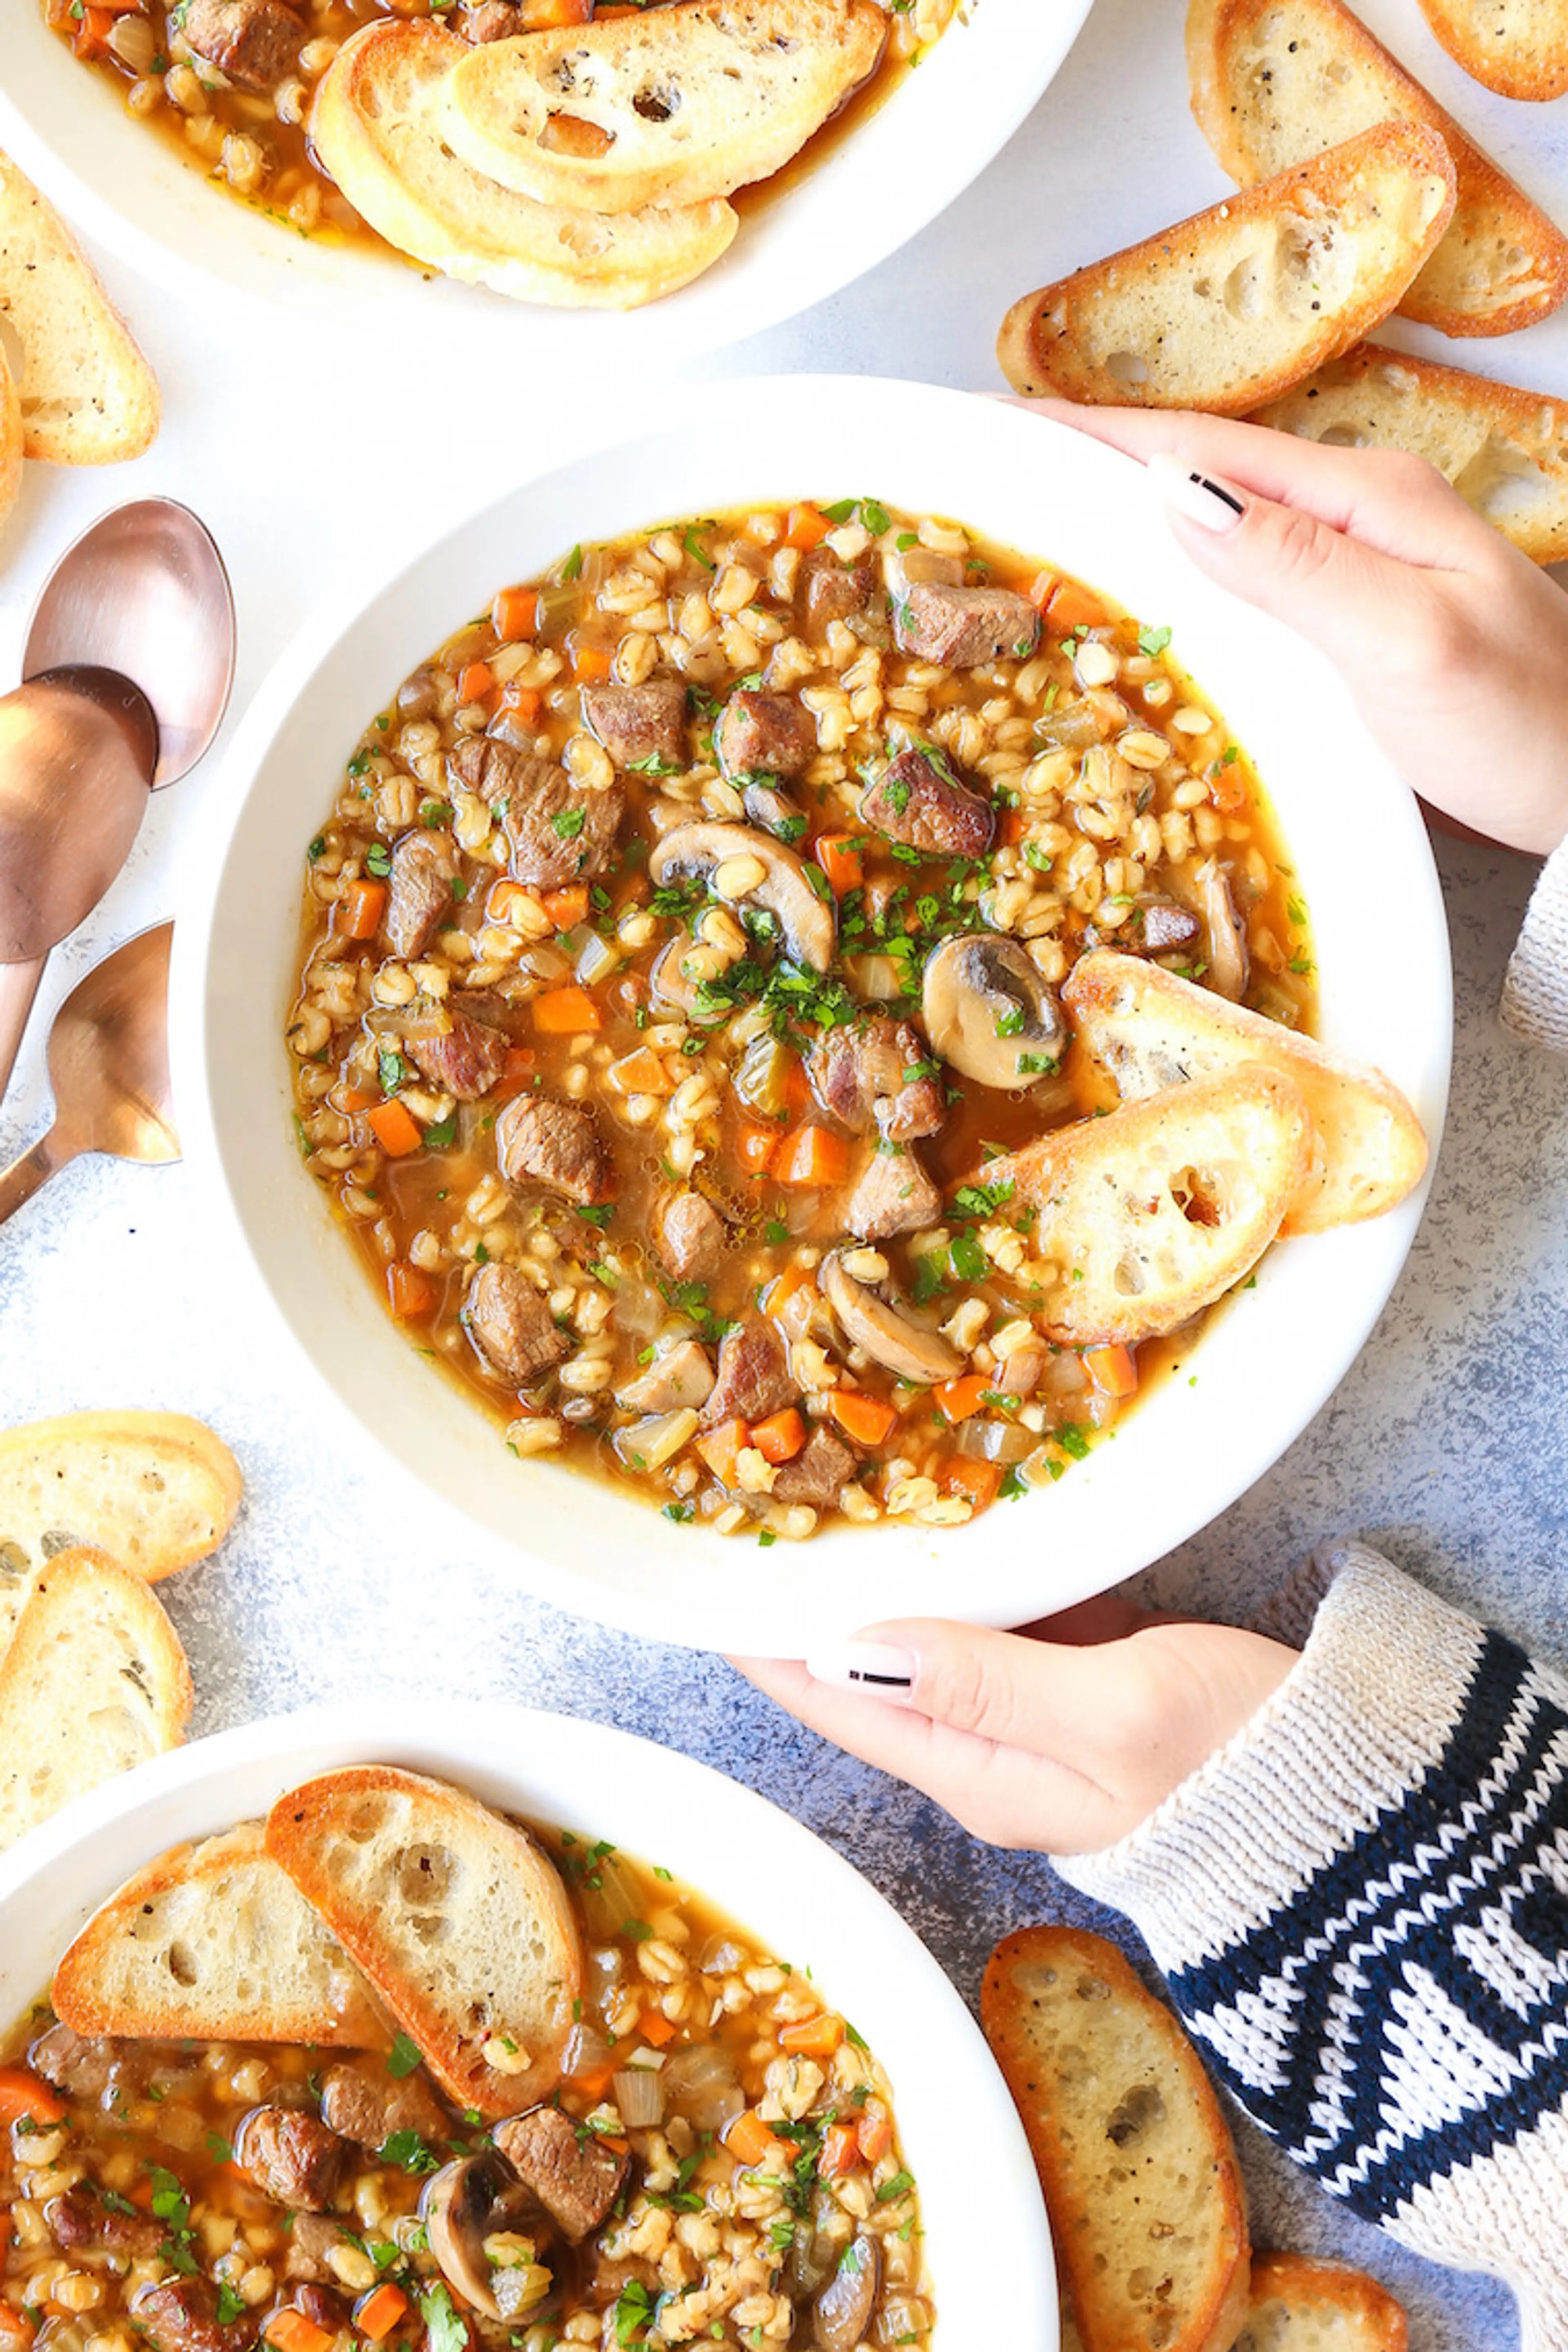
(948, 2098)
(757, 1615)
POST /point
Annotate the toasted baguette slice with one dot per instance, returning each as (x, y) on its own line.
(376, 124)
(88, 395)
(94, 1681)
(1154, 1031)
(1231, 306)
(157, 1490)
(1504, 449)
(1150, 1213)
(692, 100)
(459, 1922)
(1517, 47)
(1300, 2306)
(1274, 81)
(10, 439)
(216, 1942)
(1141, 2180)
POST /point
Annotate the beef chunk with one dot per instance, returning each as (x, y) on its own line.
(292, 2158)
(80, 2217)
(753, 1375)
(689, 1234)
(542, 1142)
(919, 799)
(894, 1195)
(466, 1060)
(819, 1475)
(831, 591)
(181, 2316)
(311, 2241)
(85, 2067)
(423, 868)
(494, 20)
(962, 627)
(861, 1077)
(1160, 925)
(367, 2104)
(574, 2177)
(764, 735)
(639, 724)
(256, 43)
(511, 1325)
(559, 830)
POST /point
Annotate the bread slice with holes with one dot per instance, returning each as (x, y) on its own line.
(1517, 47)
(459, 1921)
(94, 1681)
(1140, 2176)
(156, 1490)
(672, 106)
(1276, 82)
(1297, 2304)
(214, 1941)
(1504, 449)
(1232, 306)
(1148, 1214)
(1154, 1032)
(88, 395)
(377, 126)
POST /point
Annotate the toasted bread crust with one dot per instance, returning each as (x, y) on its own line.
(1517, 47)
(1164, 305)
(1466, 287)
(1027, 1977)
(10, 440)
(88, 397)
(1363, 2316)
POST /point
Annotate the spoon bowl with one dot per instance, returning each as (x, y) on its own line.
(78, 748)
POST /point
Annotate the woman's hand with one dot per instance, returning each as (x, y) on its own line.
(1060, 1738)
(1454, 645)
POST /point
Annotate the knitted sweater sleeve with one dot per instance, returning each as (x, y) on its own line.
(1536, 992)
(1361, 1906)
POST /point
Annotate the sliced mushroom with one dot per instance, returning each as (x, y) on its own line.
(868, 1322)
(701, 851)
(774, 811)
(989, 1013)
(841, 2315)
(479, 2198)
(1227, 958)
(681, 1377)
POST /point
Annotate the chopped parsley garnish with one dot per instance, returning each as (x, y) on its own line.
(404, 2054)
(695, 549)
(446, 2332)
(572, 567)
(317, 847)
(656, 764)
(681, 1513)
(1038, 1065)
(596, 1214)
(969, 1260)
(1036, 858)
(569, 823)
(633, 2313)
(441, 1132)
(1011, 1023)
(230, 2305)
(391, 1069)
(378, 860)
(1072, 1440)
(1153, 642)
(406, 2149)
(218, 2149)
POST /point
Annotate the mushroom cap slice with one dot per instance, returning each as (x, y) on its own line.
(989, 1013)
(889, 1336)
(805, 921)
(468, 2202)
(841, 2314)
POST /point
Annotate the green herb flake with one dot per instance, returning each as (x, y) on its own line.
(1151, 643)
(404, 2054)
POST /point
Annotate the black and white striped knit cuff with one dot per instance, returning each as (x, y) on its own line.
(1535, 989)
(1361, 1906)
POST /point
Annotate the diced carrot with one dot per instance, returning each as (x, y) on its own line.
(748, 2140)
(595, 2081)
(780, 1439)
(793, 1279)
(814, 2037)
(958, 1399)
(410, 1291)
(721, 1450)
(509, 902)
(1227, 787)
(526, 700)
(840, 2148)
(978, 1481)
(756, 1146)
(797, 1091)
(15, 2327)
(812, 1155)
(655, 2028)
(353, 1098)
(22, 2093)
(641, 1072)
(1068, 606)
(866, 1419)
(476, 682)
(1042, 588)
(380, 2312)
(290, 2331)
(516, 1069)
(590, 663)
(567, 906)
(842, 858)
(93, 28)
(540, 15)
(806, 528)
(394, 1128)
(1015, 822)
(514, 615)
(1112, 1369)
(875, 2135)
(361, 907)
(565, 1012)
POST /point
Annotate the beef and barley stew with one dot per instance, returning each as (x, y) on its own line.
(685, 939)
(719, 2165)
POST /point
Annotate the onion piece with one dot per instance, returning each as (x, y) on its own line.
(638, 2093)
(996, 1441)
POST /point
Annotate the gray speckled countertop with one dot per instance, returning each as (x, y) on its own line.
(1445, 1442)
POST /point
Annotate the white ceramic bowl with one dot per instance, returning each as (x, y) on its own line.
(1365, 868)
(960, 2136)
(123, 184)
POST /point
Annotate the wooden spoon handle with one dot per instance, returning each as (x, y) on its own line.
(32, 1172)
(18, 986)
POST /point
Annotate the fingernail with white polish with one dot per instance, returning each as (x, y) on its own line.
(876, 1667)
(1218, 506)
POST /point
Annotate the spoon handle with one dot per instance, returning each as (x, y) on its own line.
(32, 1172)
(18, 986)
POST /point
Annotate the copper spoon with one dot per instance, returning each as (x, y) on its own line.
(109, 1067)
